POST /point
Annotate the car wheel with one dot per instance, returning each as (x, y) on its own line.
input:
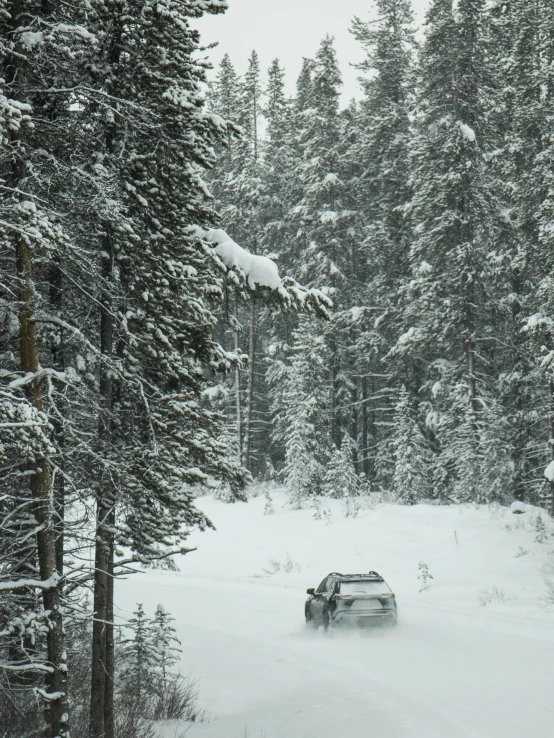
(392, 621)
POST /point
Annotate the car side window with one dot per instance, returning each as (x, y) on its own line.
(330, 587)
(322, 586)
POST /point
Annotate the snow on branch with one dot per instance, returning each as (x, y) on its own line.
(260, 271)
(27, 667)
(49, 583)
(49, 696)
(31, 377)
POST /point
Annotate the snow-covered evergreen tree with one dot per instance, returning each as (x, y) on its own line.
(341, 480)
(448, 302)
(303, 413)
(139, 656)
(165, 642)
(412, 467)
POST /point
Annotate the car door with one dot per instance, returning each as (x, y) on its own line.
(330, 589)
(317, 601)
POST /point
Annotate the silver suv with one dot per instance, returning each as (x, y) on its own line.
(354, 599)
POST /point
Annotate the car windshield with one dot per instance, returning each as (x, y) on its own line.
(364, 587)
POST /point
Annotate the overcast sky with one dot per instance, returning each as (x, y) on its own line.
(290, 30)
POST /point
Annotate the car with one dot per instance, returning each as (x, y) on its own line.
(351, 599)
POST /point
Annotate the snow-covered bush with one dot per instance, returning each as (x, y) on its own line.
(540, 529)
(494, 594)
(424, 575)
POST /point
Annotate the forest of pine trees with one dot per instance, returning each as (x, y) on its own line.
(138, 367)
(423, 210)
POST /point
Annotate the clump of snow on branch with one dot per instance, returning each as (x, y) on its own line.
(258, 270)
(549, 472)
(466, 131)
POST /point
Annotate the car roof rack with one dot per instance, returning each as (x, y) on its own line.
(370, 574)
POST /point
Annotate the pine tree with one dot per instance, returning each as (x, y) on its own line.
(163, 345)
(535, 203)
(303, 414)
(341, 480)
(449, 302)
(384, 138)
(379, 183)
(139, 657)
(41, 172)
(279, 166)
(411, 478)
(165, 642)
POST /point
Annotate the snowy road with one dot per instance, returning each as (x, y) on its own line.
(452, 668)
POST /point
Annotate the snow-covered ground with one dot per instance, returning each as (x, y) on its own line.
(472, 656)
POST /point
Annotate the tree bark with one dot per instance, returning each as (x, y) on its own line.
(365, 433)
(40, 484)
(103, 588)
(551, 440)
(57, 711)
(355, 430)
(103, 655)
(237, 389)
(109, 717)
(251, 380)
(58, 361)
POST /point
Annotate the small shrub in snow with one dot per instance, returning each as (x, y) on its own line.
(320, 512)
(287, 566)
(455, 538)
(520, 552)
(495, 594)
(268, 507)
(351, 507)
(424, 575)
(540, 529)
(548, 598)
(290, 565)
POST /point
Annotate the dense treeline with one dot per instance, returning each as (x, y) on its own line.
(424, 210)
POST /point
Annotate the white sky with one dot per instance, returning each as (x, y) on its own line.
(290, 30)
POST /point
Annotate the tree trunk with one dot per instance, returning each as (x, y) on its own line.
(551, 440)
(365, 433)
(333, 398)
(57, 711)
(237, 388)
(58, 361)
(40, 484)
(103, 655)
(354, 431)
(251, 378)
(100, 605)
(109, 725)
(101, 677)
